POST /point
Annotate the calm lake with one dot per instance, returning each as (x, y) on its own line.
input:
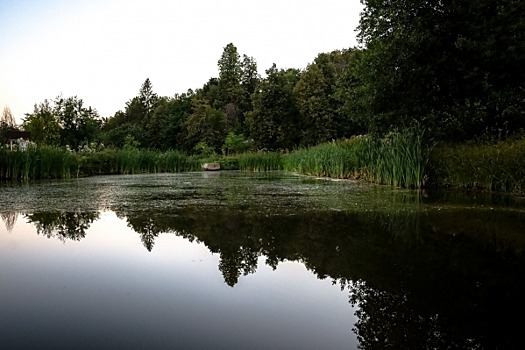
(233, 260)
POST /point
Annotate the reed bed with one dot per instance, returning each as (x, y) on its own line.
(37, 163)
(55, 163)
(492, 167)
(342, 159)
(260, 161)
(135, 161)
(398, 159)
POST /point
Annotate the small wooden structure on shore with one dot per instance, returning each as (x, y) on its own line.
(12, 135)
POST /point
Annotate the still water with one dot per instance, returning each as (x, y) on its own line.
(232, 260)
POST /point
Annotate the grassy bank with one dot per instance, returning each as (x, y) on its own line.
(402, 159)
(55, 163)
(492, 167)
(399, 159)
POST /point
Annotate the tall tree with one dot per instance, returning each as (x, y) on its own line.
(79, 124)
(43, 124)
(455, 66)
(147, 98)
(206, 125)
(229, 84)
(274, 121)
(166, 127)
(238, 79)
(322, 93)
(8, 119)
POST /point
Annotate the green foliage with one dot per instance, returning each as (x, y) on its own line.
(43, 124)
(398, 159)
(130, 143)
(203, 149)
(274, 122)
(165, 129)
(453, 66)
(492, 167)
(260, 161)
(78, 123)
(321, 93)
(234, 144)
(206, 125)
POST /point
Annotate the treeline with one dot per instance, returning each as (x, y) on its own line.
(235, 112)
(456, 69)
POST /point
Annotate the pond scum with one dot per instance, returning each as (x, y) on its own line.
(400, 159)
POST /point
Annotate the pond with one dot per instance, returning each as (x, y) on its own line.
(233, 260)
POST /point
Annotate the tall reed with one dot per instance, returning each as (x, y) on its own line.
(36, 163)
(260, 161)
(493, 167)
(341, 159)
(397, 159)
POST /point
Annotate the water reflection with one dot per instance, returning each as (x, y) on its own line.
(62, 225)
(423, 272)
(416, 285)
(9, 219)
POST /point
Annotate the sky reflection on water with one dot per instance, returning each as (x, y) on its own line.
(107, 291)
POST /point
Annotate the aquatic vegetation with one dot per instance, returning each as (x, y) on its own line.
(37, 163)
(397, 159)
(493, 167)
(46, 162)
(340, 159)
(261, 161)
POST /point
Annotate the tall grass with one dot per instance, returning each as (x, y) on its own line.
(493, 167)
(398, 159)
(54, 163)
(342, 159)
(260, 161)
(38, 163)
(135, 161)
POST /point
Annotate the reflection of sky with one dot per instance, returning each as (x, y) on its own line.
(108, 291)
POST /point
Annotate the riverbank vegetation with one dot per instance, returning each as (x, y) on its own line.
(400, 159)
(445, 70)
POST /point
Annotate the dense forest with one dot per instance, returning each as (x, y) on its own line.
(454, 68)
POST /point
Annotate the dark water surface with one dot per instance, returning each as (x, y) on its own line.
(231, 260)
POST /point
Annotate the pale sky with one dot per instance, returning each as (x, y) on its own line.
(103, 50)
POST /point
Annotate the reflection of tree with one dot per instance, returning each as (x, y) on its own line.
(420, 287)
(62, 225)
(386, 321)
(234, 263)
(147, 228)
(9, 219)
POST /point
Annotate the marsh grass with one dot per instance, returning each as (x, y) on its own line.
(54, 163)
(492, 167)
(37, 163)
(397, 159)
(135, 161)
(260, 161)
(341, 159)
